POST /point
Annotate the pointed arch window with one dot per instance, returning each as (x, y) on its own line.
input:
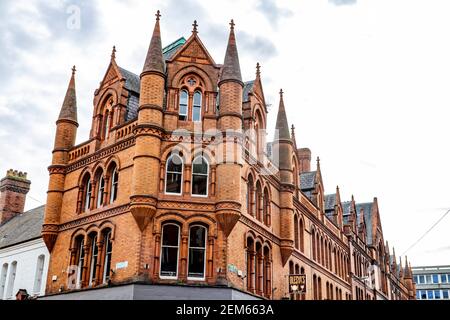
(108, 255)
(114, 186)
(183, 109)
(3, 275)
(174, 175)
(266, 206)
(197, 253)
(88, 194)
(94, 260)
(107, 124)
(200, 174)
(39, 274)
(250, 193)
(11, 280)
(101, 191)
(197, 107)
(80, 260)
(170, 251)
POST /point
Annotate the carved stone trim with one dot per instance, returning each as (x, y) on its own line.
(186, 206)
(95, 217)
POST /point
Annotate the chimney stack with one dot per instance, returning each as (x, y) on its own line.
(304, 158)
(13, 191)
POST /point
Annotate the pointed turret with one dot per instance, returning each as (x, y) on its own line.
(400, 272)
(408, 274)
(293, 135)
(69, 107)
(155, 61)
(231, 68)
(144, 193)
(66, 133)
(282, 125)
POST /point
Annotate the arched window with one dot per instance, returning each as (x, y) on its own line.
(114, 186)
(197, 253)
(296, 244)
(108, 254)
(80, 260)
(313, 237)
(319, 285)
(11, 280)
(250, 263)
(3, 275)
(101, 191)
(174, 175)
(87, 193)
(250, 193)
(39, 274)
(267, 273)
(200, 174)
(315, 290)
(302, 240)
(266, 206)
(94, 258)
(197, 107)
(169, 251)
(107, 124)
(259, 203)
(184, 99)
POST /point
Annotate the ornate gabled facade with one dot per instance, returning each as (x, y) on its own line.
(177, 186)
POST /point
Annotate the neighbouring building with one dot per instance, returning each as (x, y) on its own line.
(24, 257)
(177, 194)
(432, 282)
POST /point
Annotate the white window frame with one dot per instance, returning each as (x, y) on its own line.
(11, 280)
(173, 172)
(198, 106)
(114, 186)
(81, 259)
(3, 278)
(200, 174)
(107, 248)
(88, 196)
(205, 256)
(161, 252)
(101, 191)
(94, 258)
(187, 106)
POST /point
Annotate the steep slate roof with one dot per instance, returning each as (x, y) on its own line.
(330, 201)
(248, 86)
(22, 228)
(367, 207)
(133, 82)
(307, 180)
(346, 211)
(172, 49)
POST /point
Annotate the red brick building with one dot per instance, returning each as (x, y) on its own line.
(177, 186)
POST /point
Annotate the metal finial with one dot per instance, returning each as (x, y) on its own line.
(74, 69)
(281, 93)
(158, 15)
(195, 25)
(232, 24)
(258, 69)
(113, 54)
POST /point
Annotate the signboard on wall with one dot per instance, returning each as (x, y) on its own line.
(297, 283)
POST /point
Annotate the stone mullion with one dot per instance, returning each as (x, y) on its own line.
(100, 264)
(157, 254)
(268, 278)
(93, 195)
(252, 271)
(85, 267)
(107, 191)
(213, 181)
(184, 256)
(162, 176)
(187, 180)
(80, 200)
(210, 263)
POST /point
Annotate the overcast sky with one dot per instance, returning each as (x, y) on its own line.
(366, 82)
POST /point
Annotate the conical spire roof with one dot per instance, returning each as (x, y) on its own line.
(231, 67)
(155, 61)
(69, 107)
(282, 125)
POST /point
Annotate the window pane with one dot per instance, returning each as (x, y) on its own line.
(445, 294)
(429, 280)
(199, 185)
(200, 166)
(430, 294)
(423, 294)
(418, 295)
(443, 278)
(437, 294)
(170, 235)
(175, 164)
(421, 279)
(173, 183)
(196, 114)
(197, 237)
(415, 279)
(196, 263)
(183, 97)
(169, 262)
(435, 278)
(197, 99)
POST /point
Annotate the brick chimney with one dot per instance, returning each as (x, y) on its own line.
(13, 191)
(304, 157)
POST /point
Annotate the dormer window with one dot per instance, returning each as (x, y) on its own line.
(184, 99)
